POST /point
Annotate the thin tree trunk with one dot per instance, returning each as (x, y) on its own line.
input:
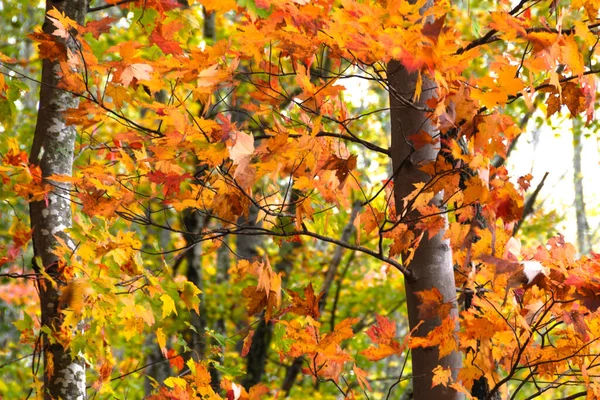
(294, 370)
(248, 247)
(432, 263)
(221, 279)
(583, 229)
(193, 225)
(52, 151)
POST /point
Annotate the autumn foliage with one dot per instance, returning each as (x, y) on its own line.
(264, 146)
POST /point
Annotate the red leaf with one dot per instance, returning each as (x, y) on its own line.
(167, 46)
(175, 360)
(96, 28)
(170, 182)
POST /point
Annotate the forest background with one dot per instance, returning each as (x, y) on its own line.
(298, 198)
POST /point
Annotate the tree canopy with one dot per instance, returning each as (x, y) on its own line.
(235, 199)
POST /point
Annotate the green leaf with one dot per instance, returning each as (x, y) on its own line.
(229, 371)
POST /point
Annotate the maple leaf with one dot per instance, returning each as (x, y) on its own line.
(573, 97)
(62, 23)
(210, 77)
(257, 299)
(96, 28)
(431, 304)
(510, 26)
(341, 331)
(136, 71)
(200, 374)
(167, 46)
(161, 339)
(171, 181)
(189, 294)
(21, 235)
(441, 336)
(168, 305)
(525, 181)
(6, 59)
(247, 343)
(309, 305)
(578, 320)
(15, 157)
(258, 392)
(422, 139)
(243, 148)
(571, 55)
(402, 237)
(49, 47)
(342, 167)
(176, 361)
(74, 296)
(383, 334)
(173, 381)
(361, 377)
(441, 376)
(104, 371)
(507, 201)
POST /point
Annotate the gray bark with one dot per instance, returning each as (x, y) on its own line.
(432, 264)
(583, 229)
(52, 151)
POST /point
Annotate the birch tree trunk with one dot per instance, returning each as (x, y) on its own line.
(52, 151)
(432, 263)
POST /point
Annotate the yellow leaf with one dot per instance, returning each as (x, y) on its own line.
(168, 305)
(189, 295)
(191, 365)
(61, 22)
(162, 341)
(173, 380)
(418, 87)
(571, 55)
(441, 376)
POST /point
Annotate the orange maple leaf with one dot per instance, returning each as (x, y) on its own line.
(431, 304)
(383, 334)
(309, 305)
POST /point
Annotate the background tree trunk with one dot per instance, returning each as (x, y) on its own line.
(432, 264)
(583, 229)
(52, 151)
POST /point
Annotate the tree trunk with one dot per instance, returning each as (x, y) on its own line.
(197, 339)
(52, 151)
(432, 263)
(583, 238)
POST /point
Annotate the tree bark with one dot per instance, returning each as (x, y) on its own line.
(432, 264)
(583, 228)
(52, 151)
(197, 337)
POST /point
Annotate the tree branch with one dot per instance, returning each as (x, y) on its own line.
(106, 6)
